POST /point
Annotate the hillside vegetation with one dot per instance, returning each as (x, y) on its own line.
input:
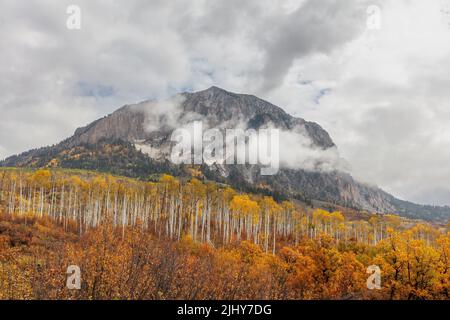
(193, 239)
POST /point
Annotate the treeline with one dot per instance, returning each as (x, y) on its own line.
(170, 208)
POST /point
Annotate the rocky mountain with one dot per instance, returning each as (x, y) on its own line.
(135, 141)
(151, 122)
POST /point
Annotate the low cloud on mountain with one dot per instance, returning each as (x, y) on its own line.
(298, 152)
(295, 149)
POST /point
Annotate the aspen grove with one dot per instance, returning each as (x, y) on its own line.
(171, 209)
(311, 246)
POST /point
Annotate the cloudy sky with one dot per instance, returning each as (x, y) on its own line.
(381, 90)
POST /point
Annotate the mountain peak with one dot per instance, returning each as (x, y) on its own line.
(214, 91)
(215, 88)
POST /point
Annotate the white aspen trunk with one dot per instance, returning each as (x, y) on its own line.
(21, 195)
(61, 207)
(274, 234)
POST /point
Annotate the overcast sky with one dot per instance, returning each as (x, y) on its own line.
(383, 94)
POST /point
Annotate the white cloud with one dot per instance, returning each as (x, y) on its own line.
(305, 155)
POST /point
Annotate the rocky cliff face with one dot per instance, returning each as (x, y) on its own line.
(216, 107)
(148, 125)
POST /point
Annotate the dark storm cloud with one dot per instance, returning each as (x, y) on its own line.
(317, 26)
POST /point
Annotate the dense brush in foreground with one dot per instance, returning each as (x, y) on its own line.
(193, 240)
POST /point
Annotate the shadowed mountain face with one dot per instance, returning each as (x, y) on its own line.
(135, 141)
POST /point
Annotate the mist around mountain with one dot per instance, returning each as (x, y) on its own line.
(135, 141)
